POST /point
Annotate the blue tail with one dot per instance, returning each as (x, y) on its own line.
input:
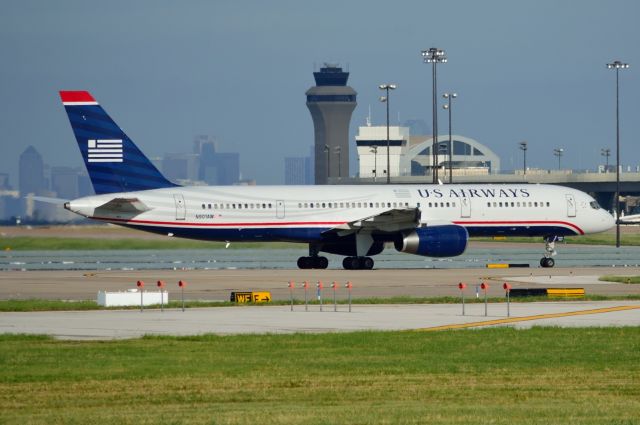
(114, 162)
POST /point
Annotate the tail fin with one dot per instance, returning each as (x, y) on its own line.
(114, 162)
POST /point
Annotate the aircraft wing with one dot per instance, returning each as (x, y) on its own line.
(392, 220)
(124, 206)
(630, 219)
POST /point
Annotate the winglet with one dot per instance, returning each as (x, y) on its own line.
(77, 98)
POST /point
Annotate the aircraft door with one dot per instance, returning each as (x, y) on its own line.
(571, 205)
(279, 209)
(181, 209)
(465, 207)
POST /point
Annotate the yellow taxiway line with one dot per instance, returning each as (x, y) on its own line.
(528, 318)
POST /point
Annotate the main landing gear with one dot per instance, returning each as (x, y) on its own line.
(313, 262)
(357, 263)
(550, 251)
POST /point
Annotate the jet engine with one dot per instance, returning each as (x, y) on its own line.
(447, 240)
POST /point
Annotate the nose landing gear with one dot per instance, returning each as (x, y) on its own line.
(550, 251)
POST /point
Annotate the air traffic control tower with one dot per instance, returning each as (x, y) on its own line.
(331, 103)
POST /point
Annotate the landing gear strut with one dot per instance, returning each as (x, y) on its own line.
(357, 263)
(313, 261)
(550, 251)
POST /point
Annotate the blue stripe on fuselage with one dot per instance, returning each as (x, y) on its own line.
(314, 234)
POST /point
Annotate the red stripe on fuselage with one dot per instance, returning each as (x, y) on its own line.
(520, 223)
(181, 223)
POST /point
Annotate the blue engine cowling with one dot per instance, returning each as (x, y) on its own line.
(447, 240)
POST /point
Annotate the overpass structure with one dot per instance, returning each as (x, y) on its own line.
(601, 186)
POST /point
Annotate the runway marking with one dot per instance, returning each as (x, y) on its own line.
(528, 318)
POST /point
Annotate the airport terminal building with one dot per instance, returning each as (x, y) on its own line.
(411, 155)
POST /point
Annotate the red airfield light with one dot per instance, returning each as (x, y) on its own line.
(160, 284)
(484, 286)
(506, 287)
(140, 284)
(462, 286)
(182, 284)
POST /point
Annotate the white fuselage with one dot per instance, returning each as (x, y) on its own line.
(302, 213)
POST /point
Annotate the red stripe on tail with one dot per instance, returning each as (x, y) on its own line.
(76, 96)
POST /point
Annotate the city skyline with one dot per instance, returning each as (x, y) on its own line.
(523, 71)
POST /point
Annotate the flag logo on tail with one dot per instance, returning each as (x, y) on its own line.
(105, 150)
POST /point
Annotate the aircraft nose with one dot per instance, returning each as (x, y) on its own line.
(608, 221)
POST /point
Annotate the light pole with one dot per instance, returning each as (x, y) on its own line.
(385, 99)
(374, 149)
(523, 147)
(558, 152)
(434, 56)
(328, 151)
(339, 152)
(442, 149)
(606, 152)
(617, 65)
(450, 97)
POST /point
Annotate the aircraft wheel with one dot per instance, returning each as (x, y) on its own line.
(304, 263)
(346, 263)
(547, 262)
(367, 263)
(321, 262)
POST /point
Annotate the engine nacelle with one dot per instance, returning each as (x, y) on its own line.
(447, 240)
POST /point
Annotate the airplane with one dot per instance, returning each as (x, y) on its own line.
(628, 219)
(355, 221)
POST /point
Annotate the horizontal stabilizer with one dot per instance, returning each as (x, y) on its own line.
(57, 201)
(124, 205)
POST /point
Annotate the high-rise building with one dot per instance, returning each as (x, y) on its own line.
(217, 168)
(4, 181)
(296, 170)
(64, 181)
(331, 103)
(180, 166)
(31, 169)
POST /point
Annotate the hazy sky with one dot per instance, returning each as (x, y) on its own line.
(238, 70)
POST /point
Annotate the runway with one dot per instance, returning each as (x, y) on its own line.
(82, 325)
(217, 284)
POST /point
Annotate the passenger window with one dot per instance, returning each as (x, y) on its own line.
(430, 204)
(489, 204)
(548, 204)
(202, 206)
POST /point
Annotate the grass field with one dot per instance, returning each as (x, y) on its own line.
(30, 243)
(64, 305)
(489, 376)
(25, 243)
(620, 279)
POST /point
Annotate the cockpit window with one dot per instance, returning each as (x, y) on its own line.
(594, 205)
